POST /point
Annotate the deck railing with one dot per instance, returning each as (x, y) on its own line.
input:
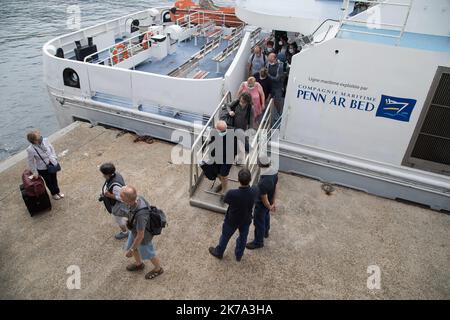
(197, 17)
(131, 49)
(400, 26)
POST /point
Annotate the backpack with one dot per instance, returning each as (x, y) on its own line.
(253, 58)
(211, 171)
(156, 222)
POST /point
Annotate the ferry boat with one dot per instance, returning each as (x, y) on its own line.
(367, 103)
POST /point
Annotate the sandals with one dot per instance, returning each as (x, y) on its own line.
(153, 274)
(134, 267)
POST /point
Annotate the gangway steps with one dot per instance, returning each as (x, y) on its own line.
(204, 196)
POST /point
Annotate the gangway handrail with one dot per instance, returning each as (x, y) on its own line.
(200, 144)
(345, 20)
(264, 127)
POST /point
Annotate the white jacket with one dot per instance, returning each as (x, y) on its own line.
(35, 162)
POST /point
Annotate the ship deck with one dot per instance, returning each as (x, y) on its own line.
(409, 39)
(320, 246)
(185, 51)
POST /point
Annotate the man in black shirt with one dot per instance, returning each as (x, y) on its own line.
(265, 202)
(238, 216)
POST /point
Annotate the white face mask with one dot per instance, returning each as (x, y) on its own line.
(291, 50)
(280, 43)
(269, 49)
(222, 133)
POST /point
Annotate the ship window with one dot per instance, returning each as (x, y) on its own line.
(166, 16)
(430, 147)
(71, 78)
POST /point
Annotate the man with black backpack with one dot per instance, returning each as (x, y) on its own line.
(256, 62)
(144, 222)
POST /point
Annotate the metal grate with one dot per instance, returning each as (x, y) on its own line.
(442, 95)
(433, 149)
(430, 146)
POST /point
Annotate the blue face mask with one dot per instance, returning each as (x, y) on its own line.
(222, 133)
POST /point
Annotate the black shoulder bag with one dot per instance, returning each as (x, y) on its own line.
(50, 167)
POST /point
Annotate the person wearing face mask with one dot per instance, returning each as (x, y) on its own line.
(263, 79)
(42, 161)
(111, 198)
(275, 70)
(240, 112)
(269, 48)
(279, 36)
(282, 48)
(256, 61)
(220, 152)
(292, 51)
(255, 90)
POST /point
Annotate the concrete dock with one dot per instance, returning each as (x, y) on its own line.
(320, 246)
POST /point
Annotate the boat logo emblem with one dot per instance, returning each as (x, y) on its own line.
(395, 108)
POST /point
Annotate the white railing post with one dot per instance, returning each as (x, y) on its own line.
(406, 21)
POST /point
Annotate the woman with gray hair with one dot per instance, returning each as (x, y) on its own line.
(42, 161)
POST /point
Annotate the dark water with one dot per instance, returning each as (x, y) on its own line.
(25, 25)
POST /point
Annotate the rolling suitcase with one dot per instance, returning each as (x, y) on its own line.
(34, 194)
(36, 204)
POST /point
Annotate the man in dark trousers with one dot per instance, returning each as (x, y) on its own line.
(238, 216)
(111, 198)
(265, 203)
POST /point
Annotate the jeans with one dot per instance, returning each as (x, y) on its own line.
(261, 220)
(227, 233)
(50, 180)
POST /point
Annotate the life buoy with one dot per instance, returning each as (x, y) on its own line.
(119, 53)
(146, 40)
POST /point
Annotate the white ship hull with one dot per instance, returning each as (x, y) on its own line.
(355, 110)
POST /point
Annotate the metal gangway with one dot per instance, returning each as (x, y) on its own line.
(200, 188)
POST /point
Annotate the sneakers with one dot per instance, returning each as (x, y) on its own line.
(253, 246)
(212, 251)
(61, 195)
(121, 235)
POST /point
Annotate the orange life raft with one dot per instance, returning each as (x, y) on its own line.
(223, 15)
